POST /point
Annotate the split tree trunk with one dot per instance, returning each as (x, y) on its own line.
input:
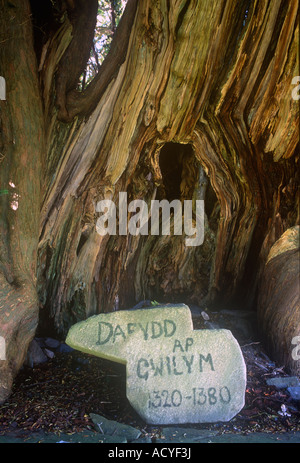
(224, 87)
(205, 85)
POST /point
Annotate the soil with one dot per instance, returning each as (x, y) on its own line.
(58, 396)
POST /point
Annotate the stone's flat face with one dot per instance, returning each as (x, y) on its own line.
(116, 335)
(174, 374)
(195, 379)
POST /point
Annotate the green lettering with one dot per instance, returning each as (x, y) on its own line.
(208, 358)
(188, 362)
(100, 333)
(168, 365)
(177, 344)
(169, 328)
(143, 375)
(131, 328)
(158, 370)
(118, 332)
(144, 330)
(175, 367)
(156, 333)
(188, 343)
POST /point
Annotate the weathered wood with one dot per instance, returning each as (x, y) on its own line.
(213, 100)
(279, 300)
(214, 76)
(22, 146)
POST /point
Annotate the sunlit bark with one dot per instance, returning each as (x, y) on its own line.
(208, 82)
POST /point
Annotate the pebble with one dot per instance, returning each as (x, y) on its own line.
(294, 392)
(64, 348)
(281, 382)
(41, 350)
(205, 316)
(49, 353)
(52, 343)
(35, 354)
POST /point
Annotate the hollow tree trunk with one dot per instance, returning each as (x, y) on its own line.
(191, 81)
(193, 100)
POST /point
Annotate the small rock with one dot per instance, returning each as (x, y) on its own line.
(282, 382)
(113, 428)
(52, 343)
(49, 353)
(35, 354)
(205, 316)
(195, 310)
(294, 392)
(64, 348)
(40, 342)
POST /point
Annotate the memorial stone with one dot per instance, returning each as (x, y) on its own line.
(174, 374)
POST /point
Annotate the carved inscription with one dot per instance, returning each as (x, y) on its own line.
(173, 365)
(107, 332)
(198, 396)
(174, 374)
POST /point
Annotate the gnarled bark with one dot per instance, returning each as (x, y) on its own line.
(191, 81)
(22, 145)
(279, 301)
(207, 82)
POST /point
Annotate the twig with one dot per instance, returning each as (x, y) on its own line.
(99, 426)
(250, 344)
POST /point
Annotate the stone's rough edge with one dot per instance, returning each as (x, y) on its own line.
(186, 422)
(238, 347)
(198, 420)
(89, 350)
(162, 420)
(243, 368)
